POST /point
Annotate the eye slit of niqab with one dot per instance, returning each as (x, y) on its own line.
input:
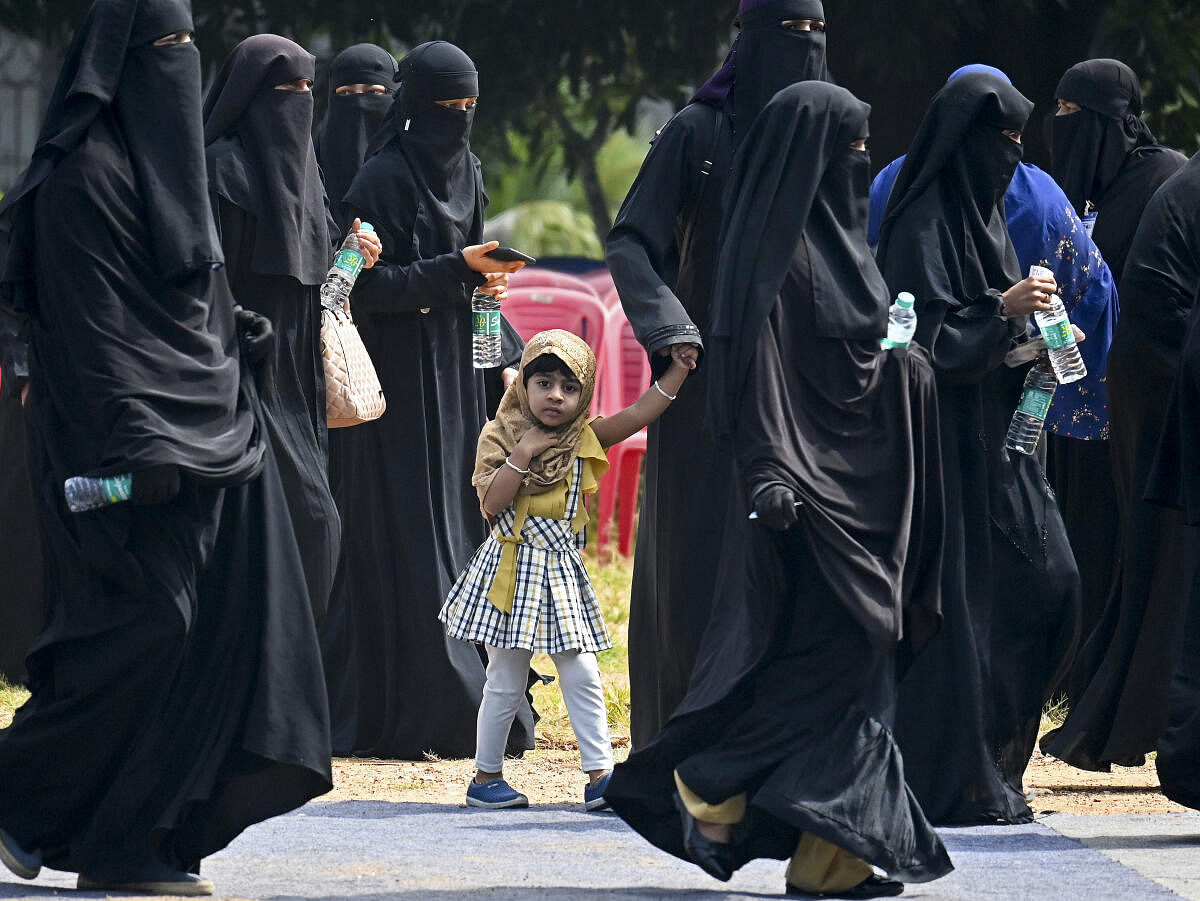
(860, 145)
(174, 38)
(803, 25)
(1066, 107)
(302, 85)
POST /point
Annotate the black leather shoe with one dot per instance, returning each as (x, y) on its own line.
(26, 864)
(149, 879)
(714, 858)
(871, 887)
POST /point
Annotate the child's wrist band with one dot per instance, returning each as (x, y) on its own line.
(511, 465)
(659, 389)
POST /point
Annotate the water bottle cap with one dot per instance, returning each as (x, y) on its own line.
(905, 300)
(1040, 272)
(366, 226)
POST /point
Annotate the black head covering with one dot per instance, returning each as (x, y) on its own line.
(766, 57)
(353, 119)
(1089, 147)
(961, 163)
(154, 93)
(261, 155)
(137, 318)
(434, 142)
(798, 178)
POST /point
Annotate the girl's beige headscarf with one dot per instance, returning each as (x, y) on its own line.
(514, 418)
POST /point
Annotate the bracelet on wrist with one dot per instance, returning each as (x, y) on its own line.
(659, 389)
(513, 466)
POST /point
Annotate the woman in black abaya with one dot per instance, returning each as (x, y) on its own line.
(362, 81)
(662, 251)
(399, 686)
(271, 215)
(778, 748)
(1174, 482)
(1108, 163)
(176, 698)
(968, 710)
(1119, 712)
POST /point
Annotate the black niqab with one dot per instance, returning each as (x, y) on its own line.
(115, 80)
(154, 94)
(961, 145)
(435, 142)
(817, 190)
(273, 173)
(1089, 147)
(353, 119)
(765, 58)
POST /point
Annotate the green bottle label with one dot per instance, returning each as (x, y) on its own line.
(350, 262)
(1035, 402)
(1058, 335)
(485, 323)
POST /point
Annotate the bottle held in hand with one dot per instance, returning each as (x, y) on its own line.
(1055, 328)
(902, 322)
(347, 265)
(485, 330)
(87, 493)
(1025, 430)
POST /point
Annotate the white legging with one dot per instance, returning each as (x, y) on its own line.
(507, 677)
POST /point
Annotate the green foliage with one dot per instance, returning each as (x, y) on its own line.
(546, 228)
(11, 698)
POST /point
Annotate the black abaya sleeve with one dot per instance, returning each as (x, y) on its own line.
(643, 247)
(391, 286)
(966, 336)
(14, 348)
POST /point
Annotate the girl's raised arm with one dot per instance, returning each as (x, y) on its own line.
(652, 403)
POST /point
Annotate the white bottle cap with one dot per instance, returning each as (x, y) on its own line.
(1040, 272)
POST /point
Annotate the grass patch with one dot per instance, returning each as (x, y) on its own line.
(11, 697)
(1053, 715)
(611, 580)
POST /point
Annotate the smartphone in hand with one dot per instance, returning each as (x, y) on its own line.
(509, 255)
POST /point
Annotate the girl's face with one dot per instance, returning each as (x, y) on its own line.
(553, 398)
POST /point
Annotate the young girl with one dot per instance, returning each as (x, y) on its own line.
(526, 590)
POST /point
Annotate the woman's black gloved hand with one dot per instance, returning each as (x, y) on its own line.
(155, 485)
(256, 332)
(775, 505)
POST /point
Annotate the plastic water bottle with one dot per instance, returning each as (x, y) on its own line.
(340, 279)
(485, 330)
(1059, 336)
(87, 493)
(902, 322)
(1030, 417)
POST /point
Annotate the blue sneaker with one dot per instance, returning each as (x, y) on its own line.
(593, 795)
(494, 795)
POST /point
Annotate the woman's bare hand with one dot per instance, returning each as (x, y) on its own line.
(372, 247)
(477, 259)
(1029, 294)
(496, 285)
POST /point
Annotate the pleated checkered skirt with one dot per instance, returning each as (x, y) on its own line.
(554, 607)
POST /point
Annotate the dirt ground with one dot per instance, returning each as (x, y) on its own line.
(550, 775)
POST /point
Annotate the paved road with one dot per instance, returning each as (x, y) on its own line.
(366, 850)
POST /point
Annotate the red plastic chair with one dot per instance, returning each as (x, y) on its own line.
(541, 277)
(600, 280)
(626, 372)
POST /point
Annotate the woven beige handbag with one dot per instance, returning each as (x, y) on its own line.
(352, 392)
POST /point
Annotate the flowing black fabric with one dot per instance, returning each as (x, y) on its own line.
(399, 687)
(1174, 481)
(1120, 681)
(266, 195)
(178, 639)
(795, 667)
(352, 120)
(21, 598)
(968, 710)
(662, 253)
(261, 155)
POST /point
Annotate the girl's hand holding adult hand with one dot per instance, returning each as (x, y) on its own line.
(476, 257)
(684, 356)
(1029, 294)
(372, 247)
